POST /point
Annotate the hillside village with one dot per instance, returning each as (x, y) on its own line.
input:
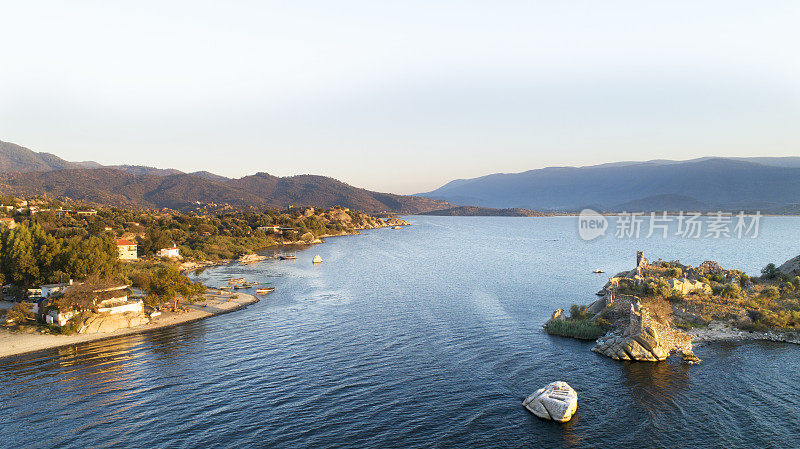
(66, 267)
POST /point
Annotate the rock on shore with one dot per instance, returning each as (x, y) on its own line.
(645, 339)
(557, 401)
(101, 323)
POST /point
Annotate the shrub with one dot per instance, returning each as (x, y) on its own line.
(581, 329)
(770, 271)
(787, 287)
(744, 280)
(731, 291)
(674, 273)
(658, 287)
(20, 313)
(577, 312)
(796, 282)
(770, 293)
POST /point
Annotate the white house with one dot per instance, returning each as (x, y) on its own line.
(118, 302)
(49, 290)
(114, 300)
(55, 316)
(172, 252)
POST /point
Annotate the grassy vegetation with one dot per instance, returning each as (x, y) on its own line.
(582, 329)
(579, 325)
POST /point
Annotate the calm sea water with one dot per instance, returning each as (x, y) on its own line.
(426, 336)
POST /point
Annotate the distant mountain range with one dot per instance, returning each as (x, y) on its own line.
(25, 172)
(771, 185)
(474, 211)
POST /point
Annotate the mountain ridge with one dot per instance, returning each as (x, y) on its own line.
(718, 183)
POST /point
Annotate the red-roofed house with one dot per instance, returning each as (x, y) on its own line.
(127, 249)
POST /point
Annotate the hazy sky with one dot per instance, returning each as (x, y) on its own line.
(399, 96)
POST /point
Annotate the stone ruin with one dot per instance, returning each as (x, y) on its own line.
(645, 339)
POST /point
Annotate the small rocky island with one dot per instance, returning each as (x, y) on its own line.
(660, 309)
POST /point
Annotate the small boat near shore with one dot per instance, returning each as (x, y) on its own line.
(598, 271)
(265, 290)
(287, 257)
(233, 281)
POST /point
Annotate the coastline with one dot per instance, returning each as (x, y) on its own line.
(215, 303)
(722, 332)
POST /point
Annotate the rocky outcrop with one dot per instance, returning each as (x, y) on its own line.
(109, 322)
(396, 222)
(791, 267)
(686, 286)
(558, 315)
(557, 401)
(645, 339)
(250, 258)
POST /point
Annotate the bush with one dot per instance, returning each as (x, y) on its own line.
(659, 287)
(770, 271)
(744, 280)
(770, 293)
(577, 312)
(787, 287)
(731, 291)
(581, 329)
(20, 313)
(673, 273)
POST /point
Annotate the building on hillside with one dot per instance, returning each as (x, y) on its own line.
(8, 222)
(127, 250)
(273, 229)
(171, 252)
(48, 290)
(109, 300)
(86, 212)
(55, 317)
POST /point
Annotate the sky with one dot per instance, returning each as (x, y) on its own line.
(398, 96)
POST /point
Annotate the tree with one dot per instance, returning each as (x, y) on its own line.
(18, 262)
(168, 284)
(20, 313)
(770, 271)
(85, 296)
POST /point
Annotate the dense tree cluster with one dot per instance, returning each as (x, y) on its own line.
(203, 237)
(31, 256)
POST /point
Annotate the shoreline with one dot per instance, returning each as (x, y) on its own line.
(216, 303)
(198, 265)
(722, 332)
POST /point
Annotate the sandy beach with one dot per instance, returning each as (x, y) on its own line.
(215, 303)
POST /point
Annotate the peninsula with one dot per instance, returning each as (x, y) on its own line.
(661, 308)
